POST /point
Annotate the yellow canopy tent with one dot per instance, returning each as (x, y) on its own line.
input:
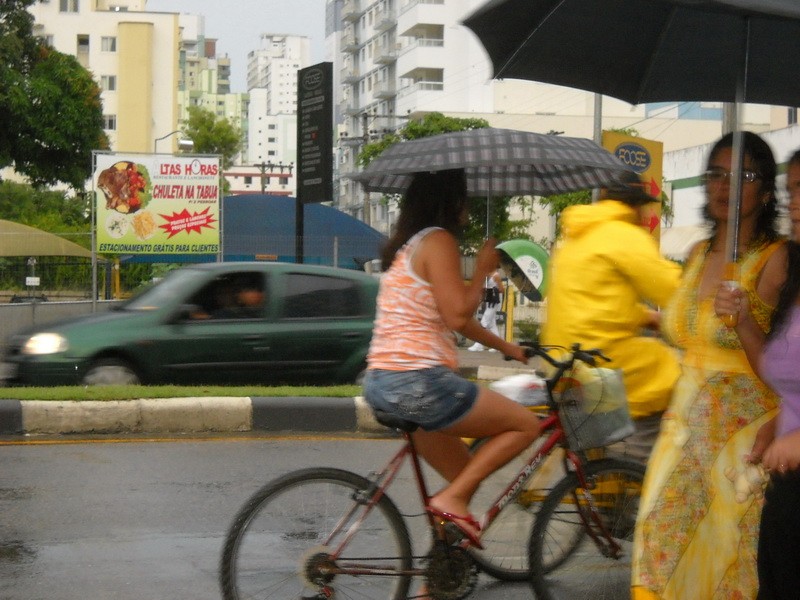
(21, 240)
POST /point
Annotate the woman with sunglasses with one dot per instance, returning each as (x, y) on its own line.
(777, 446)
(693, 539)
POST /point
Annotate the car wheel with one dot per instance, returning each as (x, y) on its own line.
(110, 371)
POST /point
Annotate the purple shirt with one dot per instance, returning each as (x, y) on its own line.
(780, 368)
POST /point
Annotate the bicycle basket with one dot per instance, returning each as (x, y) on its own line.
(593, 407)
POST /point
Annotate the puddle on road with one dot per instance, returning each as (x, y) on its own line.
(15, 552)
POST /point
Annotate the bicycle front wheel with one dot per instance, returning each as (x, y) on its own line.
(602, 516)
(312, 534)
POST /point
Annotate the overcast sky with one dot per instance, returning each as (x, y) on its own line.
(236, 24)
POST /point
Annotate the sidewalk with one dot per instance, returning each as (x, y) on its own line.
(207, 414)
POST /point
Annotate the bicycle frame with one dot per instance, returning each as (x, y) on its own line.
(383, 479)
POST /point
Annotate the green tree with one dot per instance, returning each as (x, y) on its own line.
(434, 124)
(213, 135)
(50, 109)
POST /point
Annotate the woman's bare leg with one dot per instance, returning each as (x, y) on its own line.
(510, 427)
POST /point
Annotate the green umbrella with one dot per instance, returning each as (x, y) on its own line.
(525, 263)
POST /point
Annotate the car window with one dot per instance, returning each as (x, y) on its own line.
(318, 296)
(174, 284)
(231, 296)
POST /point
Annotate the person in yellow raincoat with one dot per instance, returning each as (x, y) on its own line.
(604, 272)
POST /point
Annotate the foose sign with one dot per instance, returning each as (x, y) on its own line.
(635, 156)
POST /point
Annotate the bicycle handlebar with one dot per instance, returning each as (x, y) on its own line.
(576, 353)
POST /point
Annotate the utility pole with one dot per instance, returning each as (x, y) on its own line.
(365, 138)
(263, 167)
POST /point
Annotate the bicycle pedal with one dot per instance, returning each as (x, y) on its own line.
(452, 534)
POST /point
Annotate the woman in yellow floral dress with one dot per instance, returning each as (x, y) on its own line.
(693, 540)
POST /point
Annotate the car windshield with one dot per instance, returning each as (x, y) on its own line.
(175, 283)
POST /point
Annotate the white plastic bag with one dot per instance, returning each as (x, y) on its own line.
(526, 388)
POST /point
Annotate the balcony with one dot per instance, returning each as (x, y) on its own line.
(351, 11)
(350, 75)
(349, 41)
(386, 54)
(384, 90)
(352, 109)
(384, 20)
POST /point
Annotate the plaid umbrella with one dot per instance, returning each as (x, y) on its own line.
(497, 162)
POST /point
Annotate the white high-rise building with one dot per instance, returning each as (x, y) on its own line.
(132, 54)
(273, 66)
(268, 165)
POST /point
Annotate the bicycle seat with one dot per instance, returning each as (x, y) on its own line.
(394, 422)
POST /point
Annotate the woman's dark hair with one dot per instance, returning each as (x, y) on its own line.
(432, 200)
(791, 287)
(763, 163)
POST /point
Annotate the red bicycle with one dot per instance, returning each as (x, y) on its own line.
(329, 533)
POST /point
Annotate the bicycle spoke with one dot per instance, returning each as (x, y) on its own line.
(304, 535)
(588, 571)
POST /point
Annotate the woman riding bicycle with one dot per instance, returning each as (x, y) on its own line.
(413, 360)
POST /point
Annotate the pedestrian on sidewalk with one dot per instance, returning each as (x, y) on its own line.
(777, 445)
(694, 538)
(492, 299)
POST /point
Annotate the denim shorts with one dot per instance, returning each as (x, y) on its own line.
(433, 398)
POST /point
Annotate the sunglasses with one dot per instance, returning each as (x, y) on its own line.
(718, 175)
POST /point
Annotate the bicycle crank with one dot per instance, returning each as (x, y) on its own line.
(451, 573)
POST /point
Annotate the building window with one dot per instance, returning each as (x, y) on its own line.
(108, 83)
(108, 44)
(83, 43)
(248, 180)
(271, 140)
(70, 6)
(792, 116)
(110, 122)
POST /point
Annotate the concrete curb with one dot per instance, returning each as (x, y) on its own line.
(196, 415)
(187, 415)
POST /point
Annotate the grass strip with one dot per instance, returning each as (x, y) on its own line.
(132, 392)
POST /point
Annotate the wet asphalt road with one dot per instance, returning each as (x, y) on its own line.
(144, 519)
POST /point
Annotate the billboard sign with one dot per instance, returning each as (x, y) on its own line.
(157, 203)
(315, 133)
(646, 158)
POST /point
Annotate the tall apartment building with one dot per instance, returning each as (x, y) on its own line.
(268, 164)
(205, 78)
(394, 59)
(273, 66)
(134, 57)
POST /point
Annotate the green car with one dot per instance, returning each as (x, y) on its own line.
(217, 323)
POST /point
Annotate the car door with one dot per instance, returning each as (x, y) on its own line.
(323, 327)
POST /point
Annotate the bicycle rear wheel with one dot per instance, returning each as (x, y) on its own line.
(283, 541)
(589, 571)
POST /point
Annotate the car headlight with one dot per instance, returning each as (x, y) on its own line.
(45, 343)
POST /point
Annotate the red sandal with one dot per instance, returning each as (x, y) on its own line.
(450, 518)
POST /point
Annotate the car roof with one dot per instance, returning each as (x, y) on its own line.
(280, 267)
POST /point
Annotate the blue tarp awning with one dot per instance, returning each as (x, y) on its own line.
(262, 227)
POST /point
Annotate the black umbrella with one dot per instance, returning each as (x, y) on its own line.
(651, 51)
(497, 162)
